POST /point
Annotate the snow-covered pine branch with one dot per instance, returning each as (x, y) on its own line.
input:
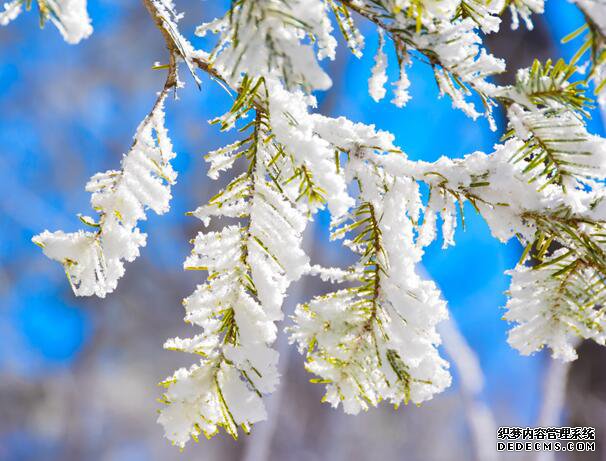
(375, 340)
(94, 259)
(560, 295)
(546, 111)
(592, 52)
(266, 38)
(373, 337)
(444, 36)
(250, 265)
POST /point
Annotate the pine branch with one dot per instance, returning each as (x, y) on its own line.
(594, 42)
(451, 48)
(547, 110)
(556, 145)
(558, 287)
(544, 85)
(555, 301)
(362, 341)
(93, 260)
(92, 263)
(250, 266)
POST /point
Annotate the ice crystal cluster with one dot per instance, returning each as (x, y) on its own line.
(373, 336)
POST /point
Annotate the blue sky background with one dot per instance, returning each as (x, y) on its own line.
(69, 111)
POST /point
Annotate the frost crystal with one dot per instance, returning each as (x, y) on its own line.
(376, 83)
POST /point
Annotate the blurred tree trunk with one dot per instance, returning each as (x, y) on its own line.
(519, 48)
(586, 397)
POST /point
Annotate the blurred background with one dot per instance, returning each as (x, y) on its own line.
(78, 376)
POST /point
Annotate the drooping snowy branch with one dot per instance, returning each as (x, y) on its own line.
(376, 340)
(94, 259)
(250, 265)
(297, 129)
(554, 303)
(560, 296)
